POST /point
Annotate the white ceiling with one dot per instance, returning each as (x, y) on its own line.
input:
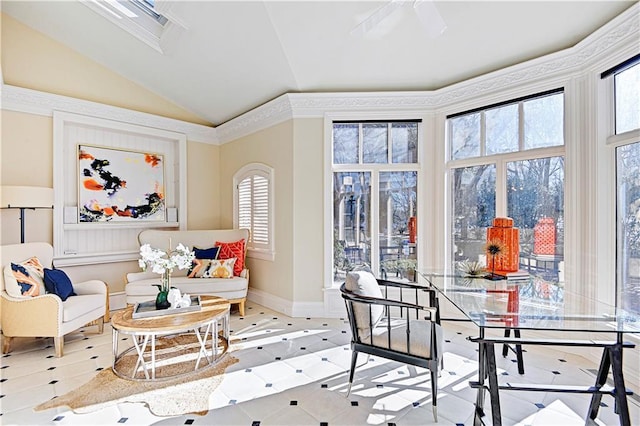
(236, 55)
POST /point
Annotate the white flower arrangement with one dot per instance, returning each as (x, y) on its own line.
(164, 263)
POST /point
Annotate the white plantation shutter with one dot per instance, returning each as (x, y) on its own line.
(244, 204)
(254, 205)
(260, 209)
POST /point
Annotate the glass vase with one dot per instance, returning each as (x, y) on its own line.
(161, 299)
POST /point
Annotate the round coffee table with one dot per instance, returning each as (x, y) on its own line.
(173, 344)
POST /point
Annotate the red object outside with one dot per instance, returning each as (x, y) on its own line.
(544, 236)
(412, 225)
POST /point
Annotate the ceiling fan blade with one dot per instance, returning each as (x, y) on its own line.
(430, 18)
(373, 20)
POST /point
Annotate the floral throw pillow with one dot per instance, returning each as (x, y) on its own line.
(213, 268)
(231, 250)
(221, 268)
(25, 279)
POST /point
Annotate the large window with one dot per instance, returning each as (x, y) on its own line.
(253, 202)
(508, 160)
(628, 224)
(375, 179)
(626, 80)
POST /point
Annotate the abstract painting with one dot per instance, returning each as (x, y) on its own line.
(116, 185)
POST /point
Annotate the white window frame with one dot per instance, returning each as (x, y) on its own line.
(500, 161)
(375, 169)
(609, 290)
(263, 251)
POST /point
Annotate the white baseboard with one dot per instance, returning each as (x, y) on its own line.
(287, 307)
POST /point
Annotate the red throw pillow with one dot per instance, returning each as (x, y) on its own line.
(230, 250)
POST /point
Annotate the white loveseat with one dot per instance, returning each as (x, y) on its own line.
(140, 285)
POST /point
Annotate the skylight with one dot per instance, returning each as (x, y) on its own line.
(138, 17)
(147, 6)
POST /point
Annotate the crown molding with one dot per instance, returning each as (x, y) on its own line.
(42, 103)
(548, 70)
(266, 115)
(621, 34)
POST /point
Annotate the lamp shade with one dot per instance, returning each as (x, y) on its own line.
(26, 197)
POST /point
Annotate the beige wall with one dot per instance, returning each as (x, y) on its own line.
(273, 147)
(32, 60)
(26, 156)
(308, 210)
(203, 186)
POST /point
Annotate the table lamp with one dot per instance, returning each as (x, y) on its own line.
(25, 197)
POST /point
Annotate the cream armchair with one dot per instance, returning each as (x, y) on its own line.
(47, 315)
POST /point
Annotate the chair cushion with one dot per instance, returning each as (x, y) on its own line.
(363, 283)
(230, 250)
(215, 286)
(75, 307)
(420, 337)
(25, 279)
(57, 282)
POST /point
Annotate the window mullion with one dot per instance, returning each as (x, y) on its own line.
(375, 220)
(521, 126)
(360, 143)
(483, 134)
(501, 188)
(389, 145)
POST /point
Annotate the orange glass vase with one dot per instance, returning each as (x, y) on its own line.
(503, 231)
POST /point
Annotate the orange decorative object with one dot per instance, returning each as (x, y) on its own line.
(503, 231)
(544, 236)
(412, 225)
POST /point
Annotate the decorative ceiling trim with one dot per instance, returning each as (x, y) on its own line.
(266, 115)
(543, 70)
(619, 34)
(42, 103)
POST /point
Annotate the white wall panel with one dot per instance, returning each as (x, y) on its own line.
(83, 243)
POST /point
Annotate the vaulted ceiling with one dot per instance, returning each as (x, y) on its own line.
(232, 56)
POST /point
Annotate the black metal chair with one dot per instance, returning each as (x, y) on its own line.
(391, 320)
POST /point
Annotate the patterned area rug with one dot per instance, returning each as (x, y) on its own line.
(169, 397)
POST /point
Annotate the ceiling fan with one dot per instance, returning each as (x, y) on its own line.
(425, 10)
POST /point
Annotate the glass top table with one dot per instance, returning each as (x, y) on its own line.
(532, 303)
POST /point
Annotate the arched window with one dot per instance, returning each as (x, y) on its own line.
(253, 208)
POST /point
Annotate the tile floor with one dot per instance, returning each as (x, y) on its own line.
(294, 371)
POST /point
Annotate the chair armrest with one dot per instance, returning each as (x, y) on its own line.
(409, 286)
(389, 303)
(90, 287)
(392, 303)
(245, 274)
(33, 316)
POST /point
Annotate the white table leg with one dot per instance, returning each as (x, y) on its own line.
(203, 344)
(140, 350)
(114, 336)
(153, 356)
